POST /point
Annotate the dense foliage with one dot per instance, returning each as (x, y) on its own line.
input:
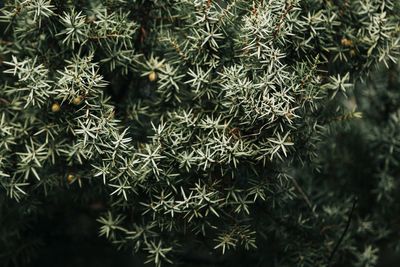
(201, 126)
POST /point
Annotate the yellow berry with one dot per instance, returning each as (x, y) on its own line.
(77, 100)
(346, 42)
(352, 52)
(55, 107)
(152, 76)
(289, 115)
(70, 178)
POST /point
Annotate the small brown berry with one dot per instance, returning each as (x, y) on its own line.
(346, 42)
(77, 101)
(152, 76)
(70, 178)
(55, 107)
(289, 115)
(235, 132)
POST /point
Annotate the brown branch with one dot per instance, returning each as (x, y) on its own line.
(344, 232)
(5, 101)
(306, 199)
(113, 35)
(288, 8)
(4, 42)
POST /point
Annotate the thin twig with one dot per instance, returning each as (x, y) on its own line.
(344, 232)
(288, 8)
(306, 199)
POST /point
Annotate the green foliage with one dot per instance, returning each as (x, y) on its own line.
(203, 123)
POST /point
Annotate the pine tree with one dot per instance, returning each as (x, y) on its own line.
(222, 127)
